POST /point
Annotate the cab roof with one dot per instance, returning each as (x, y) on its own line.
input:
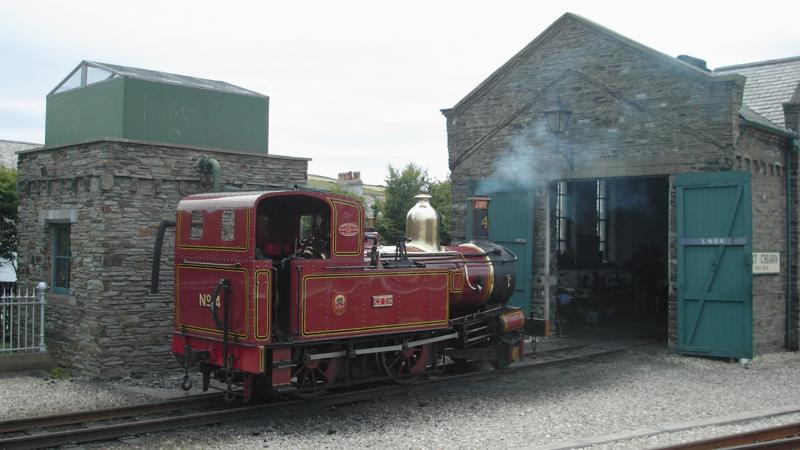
(225, 200)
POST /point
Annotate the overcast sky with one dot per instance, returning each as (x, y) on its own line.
(353, 85)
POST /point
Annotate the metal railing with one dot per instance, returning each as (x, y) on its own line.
(22, 320)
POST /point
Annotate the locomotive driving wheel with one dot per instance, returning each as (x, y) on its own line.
(313, 377)
(406, 365)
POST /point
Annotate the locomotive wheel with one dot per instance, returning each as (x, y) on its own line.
(405, 366)
(312, 378)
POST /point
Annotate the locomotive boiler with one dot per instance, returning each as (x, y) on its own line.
(283, 291)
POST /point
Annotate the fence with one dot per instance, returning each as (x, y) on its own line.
(22, 320)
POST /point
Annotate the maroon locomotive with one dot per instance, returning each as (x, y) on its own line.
(284, 291)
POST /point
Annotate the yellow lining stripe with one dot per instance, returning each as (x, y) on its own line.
(268, 299)
(377, 327)
(178, 323)
(238, 249)
(490, 278)
(335, 231)
(453, 276)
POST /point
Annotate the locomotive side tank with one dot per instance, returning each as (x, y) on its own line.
(285, 291)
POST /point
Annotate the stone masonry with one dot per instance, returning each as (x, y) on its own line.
(114, 193)
(635, 113)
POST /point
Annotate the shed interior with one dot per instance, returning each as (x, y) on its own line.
(611, 255)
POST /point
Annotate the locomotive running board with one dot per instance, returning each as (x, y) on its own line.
(431, 340)
(387, 348)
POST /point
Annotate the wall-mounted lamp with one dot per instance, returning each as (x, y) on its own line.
(557, 122)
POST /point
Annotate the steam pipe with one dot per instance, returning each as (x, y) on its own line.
(210, 165)
(154, 274)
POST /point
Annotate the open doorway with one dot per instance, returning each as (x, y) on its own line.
(611, 258)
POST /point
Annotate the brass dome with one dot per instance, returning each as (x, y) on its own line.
(422, 225)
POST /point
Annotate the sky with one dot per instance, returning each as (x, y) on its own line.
(352, 85)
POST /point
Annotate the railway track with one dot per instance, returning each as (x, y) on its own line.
(91, 426)
(779, 437)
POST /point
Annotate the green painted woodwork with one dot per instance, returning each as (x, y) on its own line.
(715, 312)
(511, 225)
(130, 108)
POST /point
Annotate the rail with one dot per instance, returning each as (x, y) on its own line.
(22, 320)
(76, 428)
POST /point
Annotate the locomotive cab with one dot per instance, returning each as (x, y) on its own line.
(287, 226)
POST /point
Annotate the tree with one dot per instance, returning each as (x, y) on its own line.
(8, 215)
(440, 199)
(401, 188)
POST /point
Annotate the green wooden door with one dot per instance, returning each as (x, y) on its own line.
(511, 225)
(714, 310)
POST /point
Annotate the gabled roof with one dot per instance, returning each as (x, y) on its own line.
(662, 58)
(88, 72)
(769, 85)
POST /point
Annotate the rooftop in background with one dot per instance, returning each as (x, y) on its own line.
(769, 85)
(7, 272)
(327, 183)
(89, 72)
(9, 149)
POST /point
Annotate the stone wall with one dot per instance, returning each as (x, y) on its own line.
(115, 194)
(632, 115)
(763, 155)
(635, 112)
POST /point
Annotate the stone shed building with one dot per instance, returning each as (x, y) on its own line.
(92, 197)
(662, 203)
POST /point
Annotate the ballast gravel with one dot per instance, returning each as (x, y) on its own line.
(552, 406)
(27, 396)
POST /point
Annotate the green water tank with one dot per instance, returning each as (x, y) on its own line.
(98, 100)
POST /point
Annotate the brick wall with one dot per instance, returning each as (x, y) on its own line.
(115, 194)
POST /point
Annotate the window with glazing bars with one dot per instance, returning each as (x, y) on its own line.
(601, 217)
(561, 217)
(61, 258)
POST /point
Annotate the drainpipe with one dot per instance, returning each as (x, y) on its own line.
(789, 212)
(210, 165)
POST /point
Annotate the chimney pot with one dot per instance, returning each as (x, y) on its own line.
(697, 62)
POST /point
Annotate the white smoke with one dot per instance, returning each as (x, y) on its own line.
(517, 168)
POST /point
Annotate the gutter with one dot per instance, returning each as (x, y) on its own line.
(770, 129)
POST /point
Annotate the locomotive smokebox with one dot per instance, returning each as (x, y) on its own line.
(480, 218)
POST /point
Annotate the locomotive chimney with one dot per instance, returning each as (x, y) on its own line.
(422, 225)
(480, 218)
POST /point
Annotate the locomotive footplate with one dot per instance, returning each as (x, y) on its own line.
(499, 352)
(477, 328)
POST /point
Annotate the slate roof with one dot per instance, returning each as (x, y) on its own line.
(769, 85)
(9, 149)
(114, 71)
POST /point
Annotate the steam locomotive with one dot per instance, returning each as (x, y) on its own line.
(284, 291)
